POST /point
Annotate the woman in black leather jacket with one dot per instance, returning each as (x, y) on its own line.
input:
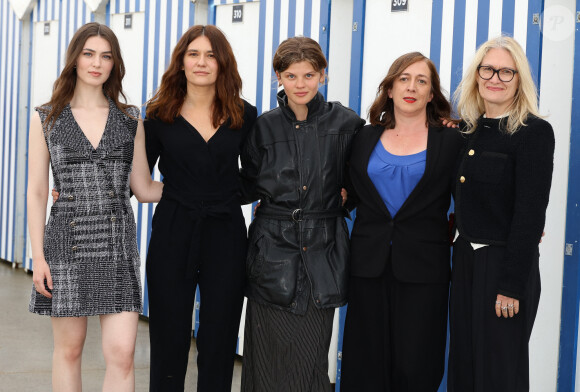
(294, 162)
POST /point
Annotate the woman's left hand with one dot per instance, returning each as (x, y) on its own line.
(506, 306)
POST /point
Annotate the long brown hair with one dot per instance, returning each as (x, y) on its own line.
(382, 111)
(64, 86)
(167, 101)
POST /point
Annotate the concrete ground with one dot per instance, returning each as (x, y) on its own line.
(26, 345)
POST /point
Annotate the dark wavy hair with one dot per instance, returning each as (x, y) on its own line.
(64, 86)
(382, 110)
(167, 101)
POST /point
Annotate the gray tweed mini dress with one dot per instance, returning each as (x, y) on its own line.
(90, 239)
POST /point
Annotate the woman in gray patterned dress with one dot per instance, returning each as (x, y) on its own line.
(85, 260)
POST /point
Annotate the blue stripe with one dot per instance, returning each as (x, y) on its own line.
(323, 36)
(191, 14)
(143, 99)
(67, 23)
(13, 133)
(211, 12)
(127, 6)
(6, 115)
(179, 30)
(507, 17)
(436, 26)
(168, 7)
(571, 283)
(108, 14)
(29, 94)
(275, 43)
(45, 10)
(291, 18)
(84, 12)
(92, 16)
(53, 12)
(156, 44)
(76, 17)
(457, 52)
(117, 10)
(534, 39)
(482, 22)
(307, 18)
(137, 5)
(59, 45)
(261, 44)
(18, 76)
(356, 57)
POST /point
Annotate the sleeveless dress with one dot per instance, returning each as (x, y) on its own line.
(90, 238)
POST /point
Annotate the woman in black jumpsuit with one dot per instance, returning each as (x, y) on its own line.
(198, 230)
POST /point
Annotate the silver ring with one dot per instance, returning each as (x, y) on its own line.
(510, 305)
(504, 308)
(498, 302)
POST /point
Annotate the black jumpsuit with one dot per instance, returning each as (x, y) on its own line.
(198, 237)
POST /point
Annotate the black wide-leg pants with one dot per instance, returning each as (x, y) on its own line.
(394, 336)
(487, 353)
(206, 247)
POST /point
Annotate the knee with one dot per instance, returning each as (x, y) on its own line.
(120, 357)
(69, 353)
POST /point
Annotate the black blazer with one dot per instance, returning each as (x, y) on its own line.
(417, 237)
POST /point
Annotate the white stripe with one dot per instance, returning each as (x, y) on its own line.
(495, 13)
(299, 28)
(315, 21)
(470, 37)
(521, 22)
(150, 52)
(173, 34)
(162, 42)
(267, 56)
(283, 22)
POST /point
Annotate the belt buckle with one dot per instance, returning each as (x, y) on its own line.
(297, 215)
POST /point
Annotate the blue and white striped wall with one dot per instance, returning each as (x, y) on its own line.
(361, 38)
(10, 33)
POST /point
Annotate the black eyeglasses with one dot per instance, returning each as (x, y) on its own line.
(504, 74)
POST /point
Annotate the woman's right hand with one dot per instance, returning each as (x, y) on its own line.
(55, 195)
(40, 273)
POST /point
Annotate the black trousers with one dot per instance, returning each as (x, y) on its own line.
(487, 353)
(394, 335)
(190, 248)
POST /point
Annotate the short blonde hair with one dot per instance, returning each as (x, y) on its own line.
(470, 105)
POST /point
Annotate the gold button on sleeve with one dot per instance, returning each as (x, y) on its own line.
(471, 152)
(462, 179)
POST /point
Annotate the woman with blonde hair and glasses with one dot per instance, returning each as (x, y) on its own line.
(502, 185)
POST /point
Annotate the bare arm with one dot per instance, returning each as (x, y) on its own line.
(145, 189)
(37, 196)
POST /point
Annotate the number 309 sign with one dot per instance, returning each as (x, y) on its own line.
(399, 5)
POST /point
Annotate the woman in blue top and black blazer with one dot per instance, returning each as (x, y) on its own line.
(401, 176)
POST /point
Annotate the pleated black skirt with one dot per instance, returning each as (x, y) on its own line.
(285, 352)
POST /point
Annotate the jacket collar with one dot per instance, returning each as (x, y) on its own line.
(312, 106)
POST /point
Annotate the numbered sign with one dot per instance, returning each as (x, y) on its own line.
(237, 14)
(399, 5)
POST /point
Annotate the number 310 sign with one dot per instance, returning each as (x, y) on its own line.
(238, 13)
(399, 5)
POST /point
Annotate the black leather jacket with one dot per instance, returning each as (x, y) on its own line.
(298, 245)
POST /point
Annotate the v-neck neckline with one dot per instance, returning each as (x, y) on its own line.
(195, 131)
(93, 148)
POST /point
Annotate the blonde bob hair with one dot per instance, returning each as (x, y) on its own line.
(470, 105)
